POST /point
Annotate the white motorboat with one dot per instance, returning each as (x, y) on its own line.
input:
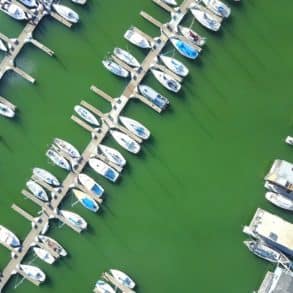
(33, 273)
(166, 80)
(86, 115)
(3, 46)
(137, 39)
(29, 3)
(67, 147)
(278, 189)
(46, 176)
(103, 169)
(75, 219)
(85, 200)
(8, 239)
(170, 2)
(126, 57)
(192, 36)
(115, 68)
(175, 65)
(205, 19)
(37, 190)
(66, 12)
(184, 48)
(90, 185)
(53, 244)
(103, 287)
(280, 200)
(113, 155)
(58, 160)
(80, 2)
(122, 278)
(16, 12)
(125, 141)
(44, 255)
(289, 140)
(135, 127)
(6, 111)
(218, 7)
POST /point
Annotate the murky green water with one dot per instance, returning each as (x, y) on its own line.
(174, 221)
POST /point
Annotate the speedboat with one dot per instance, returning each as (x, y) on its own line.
(16, 12)
(289, 140)
(115, 68)
(126, 57)
(33, 273)
(67, 147)
(135, 127)
(37, 190)
(85, 200)
(192, 36)
(125, 141)
(205, 19)
(53, 244)
(170, 2)
(153, 96)
(122, 278)
(137, 39)
(175, 65)
(44, 255)
(75, 219)
(184, 49)
(218, 7)
(103, 169)
(86, 115)
(103, 287)
(2, 46)
(6, 111)
(166, 80)
(280, 200)
(58, 160)
(46, 176)
(81, 2)
(278, 189)
(29, 3)
(66, 12)
(90, 185)
(112, 155)
(8, 238)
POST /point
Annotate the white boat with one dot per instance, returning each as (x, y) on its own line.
(175, 65)
(280, 200)
(126, 57)
(103, 169)
(32, 272)
(278, 189)
(206, 19)
(90, 185)
(184, 48)
(8, 239)
(6, 111)
(53, 244)
(85, 200)
(170, 2)
(44, 255)
(66, 12)
(166, 80)
(67, 147)
(46, 176)
(2, 46)
(192, 36)
(125, 141)
(218, 7)
(86, 115)
(122, 278)
(37, 190)
(103, 287)
(75, 219)
(58, 160)
(289, 140)
(115, 68)
(135, 127)
(113, 155)
(137, 39)
(81, 2)
(29, 3)
(16, 12)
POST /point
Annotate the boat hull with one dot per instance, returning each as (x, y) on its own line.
(66, 12)
(174, 65)
(86, 115)
(6, 111)
(123, 278)
(125, 141)
(280, 201)
(153, 96)
(44, 255)
(74, 219)
(103, 169)
(86, 201)
(135, 127)
(37, 190)
(206, 20)
(184, 49)
(136, 39)
(90, 185)
(115, 68)
(33, 273)
(53, 244)
(46, 176)
(113, 155)
(167, 81)
(126, 57)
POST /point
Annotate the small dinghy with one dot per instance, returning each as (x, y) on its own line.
(175, 65)
(289, 140)
(103, 169)
(184, 49)
(44, 255)
(3, 46)
(6, 111)
(58, 160)
(137, 39)
(126, 57)
(125, 141)
(16, 12)
(122, 278)
(115, 68)
(75, 219)
(103, 287)
(135, 127)
(46, 176)
(53, 244)
(218, 7)
(29, 3)
(206, 19)
(8, 239)
(153, 96)
(85, 200)
(192, 36)
(37, 190)
(166, 80)
(33, 273)
(280, 200)
(67, 147)
(90, 185)
(66, 12)
(112, 155)
(86, 115)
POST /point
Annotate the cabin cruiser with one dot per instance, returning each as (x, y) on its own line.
(33, 273)
(115, 68)
(85, 200)
(29, 3)
(58, 160)
(137, 39)
(280, 200)
(67, 147)
(184, 49)
(103, 169)
(135, 127)
(90, 185)
(37, 190)
(46, 176)
(103, 287)
(8, 239)
(125, 141)
(175, 65)
(166, 80)
(53, 244)
(6, 111)
(126, 57)
(289, 140)
(192, 36)
(66, 12)
(122, 278)
(112, 155)
(218, 7)
(75, 219)
(86, 115)
(44, 255)
(205, 19)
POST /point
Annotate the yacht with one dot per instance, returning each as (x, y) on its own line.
(280, 200)
(86, 115)
(53, 244)
(125, 141)
(126, 57)
(81, 2)
(170, 2)
(122, 278)
(6, 111)
(115, 68)
(8, 239)
(66, 12)
(175, 65)
(289, 140)
(218, 7)
(184, 49)
(135, 127)
(44, 255)
(85, 200)
(278, 189)
(33, 273)
(58, 160)
(206, 19)
(75, 219)
(103, 169)
(112, 155)
(16, 12)
(3, 46)
(103, 287)
(46, 176)
(192, 36)
(90, 185)
(29, 3)
(137, 39)
(166, 80)
(153, 96)
(67, 147)
(37, 190)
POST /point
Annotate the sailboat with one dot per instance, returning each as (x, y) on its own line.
(166, 80)
(112, 155)
(126, 57)
(33, 273)
(75, 219)
(6, 111)
(280, 200)
(44, 255)
(67, 147)
(184, 49)
(85, 200)
(103, 287)
(8, 239)
(135, 127)
(205, 19)
(125, 141)
(16, 12)
(192, 36)
(37, 190)
(115, 68)
(53, 244)
(175, 65)
(58, 160)
(86, 115)
(218, 7)
(103, 169)
(46, 176)
(122, 278)
(90, 185)
(66, 12)
(137, 39)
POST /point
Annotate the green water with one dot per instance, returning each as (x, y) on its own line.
(174, 221)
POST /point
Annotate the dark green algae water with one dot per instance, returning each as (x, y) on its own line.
(174, 220)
